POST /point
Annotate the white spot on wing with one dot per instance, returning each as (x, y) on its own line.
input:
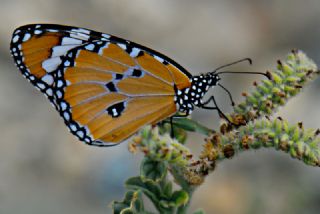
(26, 37)
(59, 94)
(67, 63)
(70, 41)
(158, 58)
(51, 64)
(114, 112)
(81, 30)
(61, 50)
(66, 115)
(49, 92)
(60, 83)
(15, 38)
(134, 52)
(90, 47)
(80, 134)
(123, 46)
(106, 36)
(52, 30)
(80, 36)
(41, 86)
(37, 32)
(47, 79)
(73, 127)
(63, 106)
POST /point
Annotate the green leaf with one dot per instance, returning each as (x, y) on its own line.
(150, 188)
(167, 189)
(152, 170)
(180, 198)
(132, 203)
(190, 125)
(180, 134)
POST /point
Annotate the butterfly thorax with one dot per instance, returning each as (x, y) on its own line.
(187, 98)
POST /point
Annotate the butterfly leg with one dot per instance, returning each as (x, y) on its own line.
(171, 123)
(171, 131)
(215, 107)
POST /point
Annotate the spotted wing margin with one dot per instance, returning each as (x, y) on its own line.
(105, 95)
(38, 50)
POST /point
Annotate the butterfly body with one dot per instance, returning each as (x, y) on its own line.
(192, 96)
(105, 87)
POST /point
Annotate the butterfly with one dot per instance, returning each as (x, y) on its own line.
(104, 87)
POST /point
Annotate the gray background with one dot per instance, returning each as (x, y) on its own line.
(44, 169)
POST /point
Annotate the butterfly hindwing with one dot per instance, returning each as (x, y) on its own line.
(104, 87)
(106, 95)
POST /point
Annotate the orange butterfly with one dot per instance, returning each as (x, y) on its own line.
(105, 87)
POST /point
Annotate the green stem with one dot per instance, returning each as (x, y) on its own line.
(178, 174)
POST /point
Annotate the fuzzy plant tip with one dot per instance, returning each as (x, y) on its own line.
(285, 82)
(300, 143)
(160, 147)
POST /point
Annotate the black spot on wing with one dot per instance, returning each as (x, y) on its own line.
(136, 73)
(128, 49)
(111, 87)
(141, 53)
(116, 109)
(118, 77)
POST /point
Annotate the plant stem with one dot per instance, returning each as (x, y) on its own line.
(178, 174)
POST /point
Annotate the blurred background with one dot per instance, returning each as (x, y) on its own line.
(44, 169)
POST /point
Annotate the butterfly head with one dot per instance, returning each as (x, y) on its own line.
(187, 98)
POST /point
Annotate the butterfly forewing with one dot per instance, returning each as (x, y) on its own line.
(104, 87)
(38, 50)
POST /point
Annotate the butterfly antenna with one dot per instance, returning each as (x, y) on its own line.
(241, 72)
(228, 92)
(233, 63)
